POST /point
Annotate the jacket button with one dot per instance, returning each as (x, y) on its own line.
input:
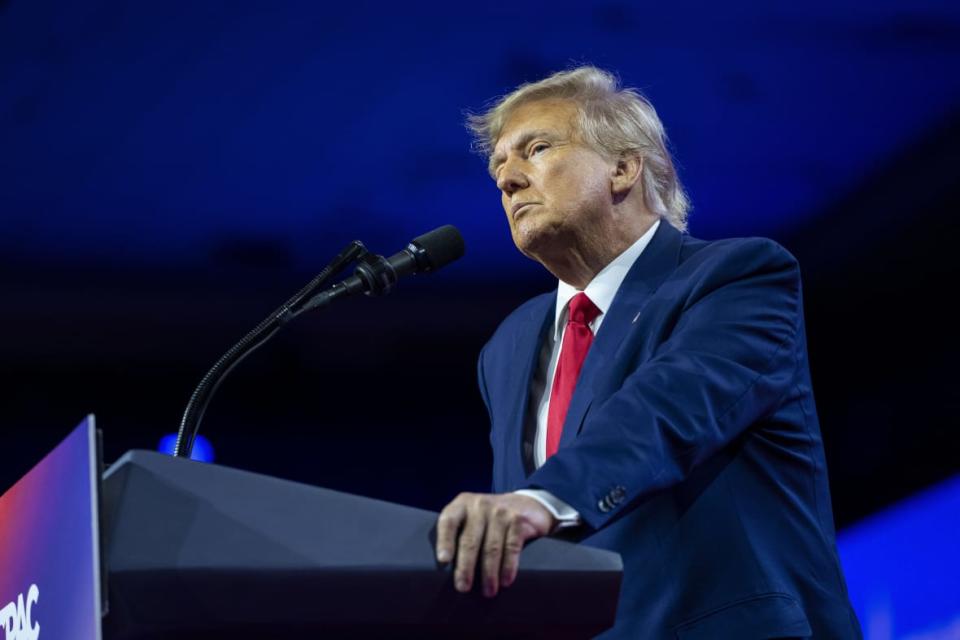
(604, 505)
(618, 494)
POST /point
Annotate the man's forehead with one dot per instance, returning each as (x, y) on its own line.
(542, 118)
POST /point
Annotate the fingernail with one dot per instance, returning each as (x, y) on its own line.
(462, 585)
(488, 590)
(443, 556)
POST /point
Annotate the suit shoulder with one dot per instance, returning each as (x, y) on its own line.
(750, 253)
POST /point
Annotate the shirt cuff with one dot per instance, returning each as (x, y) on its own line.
(566, 515)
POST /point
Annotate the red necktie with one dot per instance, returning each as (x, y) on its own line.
(576, 342)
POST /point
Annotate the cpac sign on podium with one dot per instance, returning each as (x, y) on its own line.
(49, 545)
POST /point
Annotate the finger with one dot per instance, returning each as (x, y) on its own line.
(493, 541)
(448, 524)
(468, 547)
(512, 546)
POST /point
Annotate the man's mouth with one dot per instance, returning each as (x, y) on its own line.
(521, 207)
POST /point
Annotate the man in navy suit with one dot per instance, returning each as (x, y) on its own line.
(658, 403)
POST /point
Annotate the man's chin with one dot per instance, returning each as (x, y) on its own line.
(530, 242)
(538, 242)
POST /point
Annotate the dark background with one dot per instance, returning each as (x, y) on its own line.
(171, 172)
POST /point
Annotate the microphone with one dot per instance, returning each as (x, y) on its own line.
(376, 275)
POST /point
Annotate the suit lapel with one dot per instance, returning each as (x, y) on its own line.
(526, 350)
(657, 261)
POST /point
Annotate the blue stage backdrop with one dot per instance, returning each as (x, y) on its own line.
(190, 133)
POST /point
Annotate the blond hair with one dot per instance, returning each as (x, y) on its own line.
(614, 121)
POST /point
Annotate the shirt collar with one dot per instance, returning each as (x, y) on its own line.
(604, 285)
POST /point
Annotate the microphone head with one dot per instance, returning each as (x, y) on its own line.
(438, 248)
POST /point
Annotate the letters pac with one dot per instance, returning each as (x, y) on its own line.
(17, 619)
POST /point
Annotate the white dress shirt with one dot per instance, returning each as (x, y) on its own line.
(601, 291)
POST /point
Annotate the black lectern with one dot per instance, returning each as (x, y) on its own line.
(198, 550)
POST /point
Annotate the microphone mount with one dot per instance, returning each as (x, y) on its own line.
(376, 273)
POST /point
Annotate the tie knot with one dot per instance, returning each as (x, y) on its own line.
(582, 309)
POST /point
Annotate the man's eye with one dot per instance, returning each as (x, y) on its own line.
(537, 148)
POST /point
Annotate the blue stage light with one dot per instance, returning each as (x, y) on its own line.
(202, 449)
(903, 567)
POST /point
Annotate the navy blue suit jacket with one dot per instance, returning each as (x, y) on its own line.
(691, 445)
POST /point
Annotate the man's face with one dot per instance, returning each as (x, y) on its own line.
(556, 191)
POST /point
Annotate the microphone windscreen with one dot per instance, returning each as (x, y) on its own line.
(442, 246)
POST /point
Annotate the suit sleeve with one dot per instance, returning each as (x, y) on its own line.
(726, 364)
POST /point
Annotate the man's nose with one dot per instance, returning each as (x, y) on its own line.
(512, 178)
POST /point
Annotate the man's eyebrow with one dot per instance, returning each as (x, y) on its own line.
(498, 158)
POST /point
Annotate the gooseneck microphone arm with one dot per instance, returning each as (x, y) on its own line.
(374, 275)
(190, 423)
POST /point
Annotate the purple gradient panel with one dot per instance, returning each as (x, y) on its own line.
(48, 538)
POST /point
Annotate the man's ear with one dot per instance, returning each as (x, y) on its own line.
(626, 173)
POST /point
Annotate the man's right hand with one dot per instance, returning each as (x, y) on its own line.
(491, 528)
